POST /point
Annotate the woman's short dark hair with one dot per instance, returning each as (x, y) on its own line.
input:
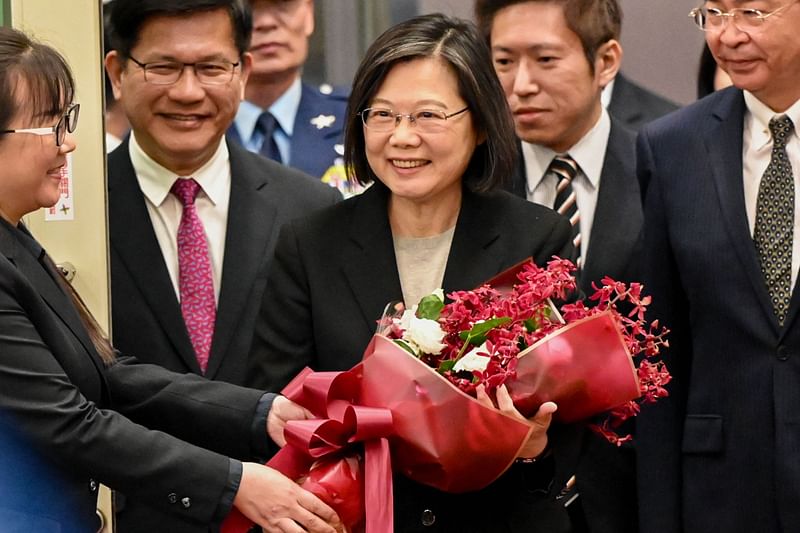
(41, 69)
(49, 91)
(460, 45)
(595, 22)
(128, 17)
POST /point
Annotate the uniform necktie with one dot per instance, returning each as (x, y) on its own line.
(774, 226)
(196, 283)
(267, 125)
(565, 168)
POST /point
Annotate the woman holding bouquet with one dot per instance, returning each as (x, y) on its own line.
(70, 407)
(430, 132)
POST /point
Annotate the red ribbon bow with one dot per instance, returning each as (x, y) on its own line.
(341, 424)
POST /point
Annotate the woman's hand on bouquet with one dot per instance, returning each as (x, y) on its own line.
(283, 410)
(278, 504)
(537, 443)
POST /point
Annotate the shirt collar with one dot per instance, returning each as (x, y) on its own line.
(584, 152)
(284, 109)
(758, 117)
(156, 180)
(606, 94)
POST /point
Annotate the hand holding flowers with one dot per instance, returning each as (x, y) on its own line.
(537, 442)
(482, 336)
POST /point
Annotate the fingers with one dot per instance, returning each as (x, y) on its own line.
(283, 410)
(544, 415)
(482, 397)
(277, 504)
(315, 507)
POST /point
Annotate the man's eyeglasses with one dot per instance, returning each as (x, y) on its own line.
(67, 123)
(382, 119)
(169, 72)
(282, 6)
(744, 18)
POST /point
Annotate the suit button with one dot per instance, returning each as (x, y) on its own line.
(428, 518)
(783, 353)
(92, 485)
(172, 497)
(186, 502)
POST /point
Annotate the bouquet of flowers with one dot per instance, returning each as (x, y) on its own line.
(409, 406)
(489, 336)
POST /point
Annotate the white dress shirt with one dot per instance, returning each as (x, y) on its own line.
(756, 153)
(165, 209)
(589, 153)
(284, 109)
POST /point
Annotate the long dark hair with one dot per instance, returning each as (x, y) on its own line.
(50, 90)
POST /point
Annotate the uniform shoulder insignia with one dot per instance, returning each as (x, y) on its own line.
(334, 92)
(323, 121)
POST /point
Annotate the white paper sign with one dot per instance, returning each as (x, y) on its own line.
(65, 207)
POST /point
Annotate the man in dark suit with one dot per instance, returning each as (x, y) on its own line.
(187, 273)
(633, 105)
(722, 453)
(307, 123)
(553, 60)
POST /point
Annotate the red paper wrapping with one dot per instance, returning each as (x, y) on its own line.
(320, 453)
(442, 437)
(583, 367)
(439, 435)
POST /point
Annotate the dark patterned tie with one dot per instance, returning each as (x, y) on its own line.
(195, 280)
(774, 226)
(565, 168)
(267, 125)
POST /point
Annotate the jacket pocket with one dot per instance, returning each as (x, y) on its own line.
(703, 434)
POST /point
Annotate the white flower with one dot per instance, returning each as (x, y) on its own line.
(473, 361)
(421, 334)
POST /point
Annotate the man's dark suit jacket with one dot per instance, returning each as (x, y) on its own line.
(63, 425)
(146, 314)
(333, 275)
(606, 476)
(635, 106)
(617, 224)
(722, 453)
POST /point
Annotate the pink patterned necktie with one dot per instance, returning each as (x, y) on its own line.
(195, 280)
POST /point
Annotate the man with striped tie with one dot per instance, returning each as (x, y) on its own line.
(553, 60)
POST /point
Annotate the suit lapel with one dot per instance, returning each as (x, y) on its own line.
(618, 216)
(471, 257)
(47, 287)
(136, 244)
(251, 220)
(369, 262)
(723, 142)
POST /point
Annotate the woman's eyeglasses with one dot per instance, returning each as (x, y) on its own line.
(67, 123)
(382, 119)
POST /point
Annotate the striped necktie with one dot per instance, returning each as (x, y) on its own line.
(565, 168)
(774, 228)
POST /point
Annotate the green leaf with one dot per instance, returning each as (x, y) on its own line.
(430, 307)
(447, 365)
(477, 335)
(531, 325)
(405, 346)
